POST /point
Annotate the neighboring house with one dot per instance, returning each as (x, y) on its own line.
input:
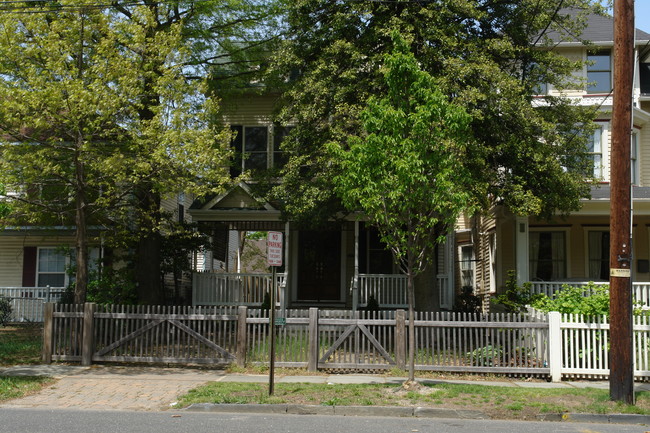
(573, 249)
(41, 256)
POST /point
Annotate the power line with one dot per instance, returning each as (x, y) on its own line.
(41, 6)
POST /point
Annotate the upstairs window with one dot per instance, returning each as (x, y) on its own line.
(256, 149)
(595, 151)
(599, 72)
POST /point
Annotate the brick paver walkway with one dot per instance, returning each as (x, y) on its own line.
(119, 388)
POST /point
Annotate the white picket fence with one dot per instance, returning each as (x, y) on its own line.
(27, 302)
(584, 350)
(641, 290)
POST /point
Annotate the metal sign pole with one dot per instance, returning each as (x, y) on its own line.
(272, 331)
(274, 259)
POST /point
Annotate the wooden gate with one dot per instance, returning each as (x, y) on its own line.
(361, 341)
(160, 334)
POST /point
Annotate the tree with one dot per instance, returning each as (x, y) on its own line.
(489, 55)
(99, 120)
(406, 174)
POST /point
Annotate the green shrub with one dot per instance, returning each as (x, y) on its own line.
(516, 298)
(5, 310)
(467, 301)
(589, 300)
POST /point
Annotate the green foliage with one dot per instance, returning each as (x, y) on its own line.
(467, 301)
(485, 356)
(489, 59)
(516, 298)
(404, 172)
(5, 310)
(589, 300)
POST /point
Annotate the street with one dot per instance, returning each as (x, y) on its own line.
(78, 421)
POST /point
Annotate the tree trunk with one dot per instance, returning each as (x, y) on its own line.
(411, 298)
(147, 259)
(81, 235)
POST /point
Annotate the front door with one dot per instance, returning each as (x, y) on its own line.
(319, 266)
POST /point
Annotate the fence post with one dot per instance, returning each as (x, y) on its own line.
(48, 324)
(242, 337)
(555, 346)
(88, 334)
(400, 339)
(312, 358)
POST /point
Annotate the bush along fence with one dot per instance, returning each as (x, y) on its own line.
(543, 345)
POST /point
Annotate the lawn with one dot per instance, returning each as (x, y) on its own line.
(496, 402)
(20, 345)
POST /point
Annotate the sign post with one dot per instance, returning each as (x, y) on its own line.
(274, 259)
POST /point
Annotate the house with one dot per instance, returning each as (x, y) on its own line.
(346, 264)
(573, 249)
(342, 265)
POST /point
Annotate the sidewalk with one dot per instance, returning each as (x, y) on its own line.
(152, 389)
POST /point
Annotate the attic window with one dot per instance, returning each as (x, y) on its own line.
(599, 72)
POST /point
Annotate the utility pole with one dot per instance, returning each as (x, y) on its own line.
(621, 374)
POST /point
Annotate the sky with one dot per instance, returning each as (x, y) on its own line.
(641, 14)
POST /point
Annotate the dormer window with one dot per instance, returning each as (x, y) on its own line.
(599, 72)
(257, 148)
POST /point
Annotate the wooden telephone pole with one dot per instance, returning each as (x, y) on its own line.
(621, 375)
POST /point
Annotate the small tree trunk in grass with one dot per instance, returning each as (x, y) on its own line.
(411, 296)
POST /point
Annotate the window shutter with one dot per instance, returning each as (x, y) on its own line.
(29, 266)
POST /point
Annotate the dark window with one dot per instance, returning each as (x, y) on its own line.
(279, 156)
(599, 73)
(250, 144)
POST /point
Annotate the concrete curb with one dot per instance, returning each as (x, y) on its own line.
(303, 409)
(622, 418)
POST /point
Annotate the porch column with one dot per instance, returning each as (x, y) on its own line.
(355, 280)
(284, 289)
(521, 249)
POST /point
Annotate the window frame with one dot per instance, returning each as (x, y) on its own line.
(271, 149)
(596, 141)
(588, 252)
(597, 68)
(66, 264)
(567, 253)
(467, 266)
(635, 174)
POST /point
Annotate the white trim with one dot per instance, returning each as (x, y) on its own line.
(522, 249)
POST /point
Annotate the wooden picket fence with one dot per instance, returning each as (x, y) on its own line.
(543, 345)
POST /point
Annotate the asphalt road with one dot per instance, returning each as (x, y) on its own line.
(18, 420)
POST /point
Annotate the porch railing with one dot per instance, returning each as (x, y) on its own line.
(389, 290)
(27, 302)
(220, 288)
(640, 291)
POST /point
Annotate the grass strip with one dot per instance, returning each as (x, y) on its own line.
(16, 387)
(495, 401)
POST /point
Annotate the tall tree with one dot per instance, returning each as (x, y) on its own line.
(99, 119)
(406, 173)
(490, 56)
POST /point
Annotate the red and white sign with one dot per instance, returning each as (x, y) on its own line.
(274, 248)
